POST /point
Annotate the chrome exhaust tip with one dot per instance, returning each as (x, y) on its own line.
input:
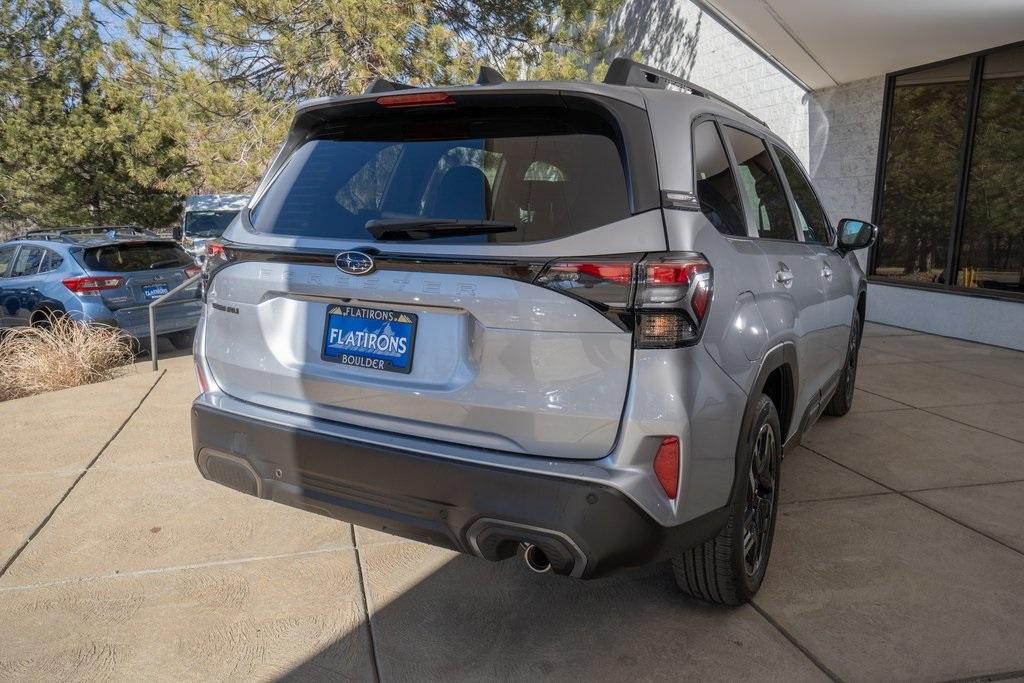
(535, 559)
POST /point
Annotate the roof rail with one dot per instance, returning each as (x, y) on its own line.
(624, 71)
(65, 234)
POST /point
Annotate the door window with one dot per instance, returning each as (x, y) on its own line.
(716, 185)
(27, 262)
(6, 256)
(810, 217)
(761, 185)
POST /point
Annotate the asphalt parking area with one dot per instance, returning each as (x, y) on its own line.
(899, 555)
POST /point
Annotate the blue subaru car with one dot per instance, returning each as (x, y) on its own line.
(99, 275)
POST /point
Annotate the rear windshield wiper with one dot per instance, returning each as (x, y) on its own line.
(432, 228)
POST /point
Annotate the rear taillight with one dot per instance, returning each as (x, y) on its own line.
(672, 299)
(217, 256)
(663, 297)
(90, 285)
(605, 282)
(214, 249)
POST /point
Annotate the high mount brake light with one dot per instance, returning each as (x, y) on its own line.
(89, 285)
(423, 99)
(666, 294)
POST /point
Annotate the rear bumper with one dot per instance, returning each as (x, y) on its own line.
(171, 317)
(587, 529)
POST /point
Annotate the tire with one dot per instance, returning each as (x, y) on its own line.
(43, 318)
(721, 570)
(182, 340)
(842, 397)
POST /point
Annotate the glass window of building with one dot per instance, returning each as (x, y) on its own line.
(992, 242)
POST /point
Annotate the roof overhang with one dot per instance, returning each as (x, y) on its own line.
(822, 43)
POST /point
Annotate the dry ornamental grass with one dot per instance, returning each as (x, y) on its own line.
(66, 354)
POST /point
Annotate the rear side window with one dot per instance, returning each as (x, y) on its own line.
(761, 185)
(28, 261)
(126, 258)
(6, 256)
(810, 217)
(51, 261)
(549, 172)
(716, 186)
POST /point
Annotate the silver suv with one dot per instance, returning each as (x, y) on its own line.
(576, 322)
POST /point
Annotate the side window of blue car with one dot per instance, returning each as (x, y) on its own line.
(6, 256)
(51, 261)
(27, 262)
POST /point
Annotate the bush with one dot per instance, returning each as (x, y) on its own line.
(64, 354)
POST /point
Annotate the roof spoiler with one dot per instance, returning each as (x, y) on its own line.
(487, 76)
(624, 71)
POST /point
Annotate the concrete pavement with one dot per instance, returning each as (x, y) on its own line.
(899, 555)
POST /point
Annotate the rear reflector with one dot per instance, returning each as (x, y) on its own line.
(666, 466)
(424, 99)
(201, 379)
(88, 285)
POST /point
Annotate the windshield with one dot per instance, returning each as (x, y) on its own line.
(125, 258)
(208, 223)
(547, 174)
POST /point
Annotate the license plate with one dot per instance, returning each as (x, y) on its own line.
(155, 291)
(369, 338)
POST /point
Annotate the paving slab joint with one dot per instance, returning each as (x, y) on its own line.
(39, 527)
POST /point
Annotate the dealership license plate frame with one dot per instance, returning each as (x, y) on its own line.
(155, 291)
(346, 311)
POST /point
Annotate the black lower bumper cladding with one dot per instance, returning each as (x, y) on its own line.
(588, 529)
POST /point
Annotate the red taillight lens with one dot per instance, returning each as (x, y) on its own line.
(192, 271)
(608, 283)
(672, 300)
(89, 285)
(423, 99)
(214, 249)
(666, 294)
(666, 466)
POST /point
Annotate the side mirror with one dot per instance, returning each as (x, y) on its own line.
(177, 233)
(855, 234)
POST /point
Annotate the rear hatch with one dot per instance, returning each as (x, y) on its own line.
(450, 269)
(132, 274)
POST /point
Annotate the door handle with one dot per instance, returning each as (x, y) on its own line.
(784, 276)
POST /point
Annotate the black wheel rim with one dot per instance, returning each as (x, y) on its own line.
(760, 501)
(850, 371)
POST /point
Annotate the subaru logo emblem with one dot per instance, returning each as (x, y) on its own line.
(354, 262)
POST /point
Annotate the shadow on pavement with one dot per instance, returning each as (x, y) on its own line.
(435, 615)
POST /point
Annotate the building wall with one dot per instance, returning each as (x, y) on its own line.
(676, 36)
(835, 133)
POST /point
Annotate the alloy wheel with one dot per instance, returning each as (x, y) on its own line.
(760, 500)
